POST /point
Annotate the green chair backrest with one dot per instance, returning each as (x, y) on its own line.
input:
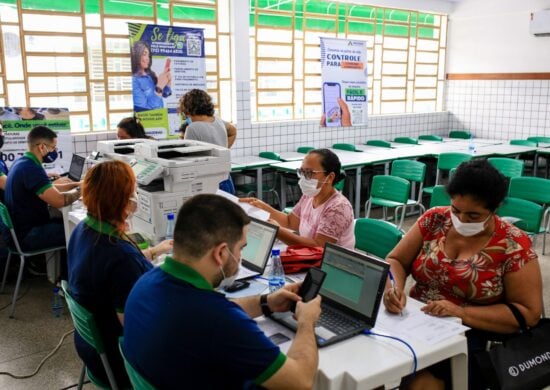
(305, 149)
(462, 134)
(340, 185)
(270, 155)
(378, 142)
(348, 147)
(430, 137)
(376, 236)
(535, 189)
(509, 167)
(440, 197)
(138, 382)
(409, 169)
(528, 213)
(5, 216)
(392, 188)
(539, 139)
(83, 320)
(522, 142)
(406, 140)
(448, 161)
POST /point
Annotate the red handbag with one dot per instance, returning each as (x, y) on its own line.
(299, 258)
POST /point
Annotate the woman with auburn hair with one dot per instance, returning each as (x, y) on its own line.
(104, 263)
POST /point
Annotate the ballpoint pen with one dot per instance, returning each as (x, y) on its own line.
(392, 280)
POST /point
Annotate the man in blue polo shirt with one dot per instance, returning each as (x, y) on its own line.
(29, 191)
(180, 333)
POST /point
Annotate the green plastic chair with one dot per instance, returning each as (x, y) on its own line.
(389, 191)
(413, 171)
(430, 137)
(462, 134)
(524, 214)
(509, 167)
(86, 327)
(250, 189)
(348, 147)
(305, 149)
(406, 140)
(539, 139)
(543, 159)
(446, 162)
(440, 197)
(376, 236)
(15, 249)
(522, 142)
(534, 189)
(138, 381)
(378, 142)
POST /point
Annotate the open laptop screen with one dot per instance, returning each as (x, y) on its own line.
(354, 280)
(259, 241)
(76, 168)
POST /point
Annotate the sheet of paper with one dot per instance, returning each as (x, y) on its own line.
(248, 209)
(417, 325)
(255, 288)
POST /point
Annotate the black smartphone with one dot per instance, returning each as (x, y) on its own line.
(310, 286)
(237, 285)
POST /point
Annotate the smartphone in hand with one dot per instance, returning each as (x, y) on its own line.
(310, 286)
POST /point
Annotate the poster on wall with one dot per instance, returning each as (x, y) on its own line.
(167, 61)
(344, 76)
(17, 122)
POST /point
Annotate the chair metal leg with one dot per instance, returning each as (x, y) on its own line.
(367, 208)
(82, 376)
(109, 372)
(404, 208)
(17, 285)
(5, 272)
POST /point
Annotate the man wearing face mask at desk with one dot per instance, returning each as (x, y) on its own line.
(29, 192)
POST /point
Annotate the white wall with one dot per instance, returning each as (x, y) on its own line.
(492, 36)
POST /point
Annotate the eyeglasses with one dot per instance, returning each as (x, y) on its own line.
(49, 146)
(307, 173)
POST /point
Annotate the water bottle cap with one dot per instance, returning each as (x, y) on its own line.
(275, 252)
(170, 216)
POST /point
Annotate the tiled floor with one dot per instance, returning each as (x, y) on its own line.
(27, 339)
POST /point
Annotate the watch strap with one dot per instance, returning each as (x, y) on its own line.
(265, 306)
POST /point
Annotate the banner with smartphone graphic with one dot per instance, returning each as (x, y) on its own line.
(344, 74)
(17, 122)
(167, 61)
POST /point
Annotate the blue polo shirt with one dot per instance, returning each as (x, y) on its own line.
(180, 333)
(103, 268)
(26, 181)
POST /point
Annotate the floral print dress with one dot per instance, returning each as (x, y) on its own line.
(477, 280)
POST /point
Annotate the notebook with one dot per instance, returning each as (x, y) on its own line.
(259, 241)
(351, 292)
(76, 168)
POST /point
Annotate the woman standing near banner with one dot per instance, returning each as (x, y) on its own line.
(148, 89)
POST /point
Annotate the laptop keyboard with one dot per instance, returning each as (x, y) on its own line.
(336, 321)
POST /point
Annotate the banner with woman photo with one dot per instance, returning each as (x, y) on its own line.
(344, 75)
(167, 61)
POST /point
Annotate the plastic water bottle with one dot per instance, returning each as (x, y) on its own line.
(472, 146)
(57, 303)
(277, 274)
(170, 223)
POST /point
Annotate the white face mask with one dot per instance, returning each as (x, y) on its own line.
(309, 186)
(468, 229)
(229, 280)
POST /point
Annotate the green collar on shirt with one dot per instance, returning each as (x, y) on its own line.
(33, 158)
(185, 273)
(101, 227)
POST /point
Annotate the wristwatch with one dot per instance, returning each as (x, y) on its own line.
(265, 306)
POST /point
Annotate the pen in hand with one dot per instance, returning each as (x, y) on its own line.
(394, 287)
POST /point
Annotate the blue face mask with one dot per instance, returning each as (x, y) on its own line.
(188, 120)
(50, 157)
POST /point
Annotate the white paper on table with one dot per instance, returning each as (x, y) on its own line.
(248, 208)
(415, 324)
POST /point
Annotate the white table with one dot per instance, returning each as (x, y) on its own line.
(365, 362)
(252, 162)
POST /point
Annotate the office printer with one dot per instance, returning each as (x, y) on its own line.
(168, 173)
(118, 149)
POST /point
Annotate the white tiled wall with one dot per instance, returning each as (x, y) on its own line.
(84, 144)
(504, 109)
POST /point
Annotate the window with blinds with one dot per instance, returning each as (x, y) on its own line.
(406, 56)
(76, 54)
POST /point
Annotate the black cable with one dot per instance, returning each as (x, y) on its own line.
(75, 385)
(19, 297)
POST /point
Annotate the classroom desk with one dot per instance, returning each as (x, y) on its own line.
(365, 362)
(257, 163)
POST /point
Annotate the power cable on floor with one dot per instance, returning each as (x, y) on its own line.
(19, 297)
(49, 355)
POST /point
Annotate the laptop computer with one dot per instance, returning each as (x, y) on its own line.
(76, 168)
(259, 240)
(352, 291)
